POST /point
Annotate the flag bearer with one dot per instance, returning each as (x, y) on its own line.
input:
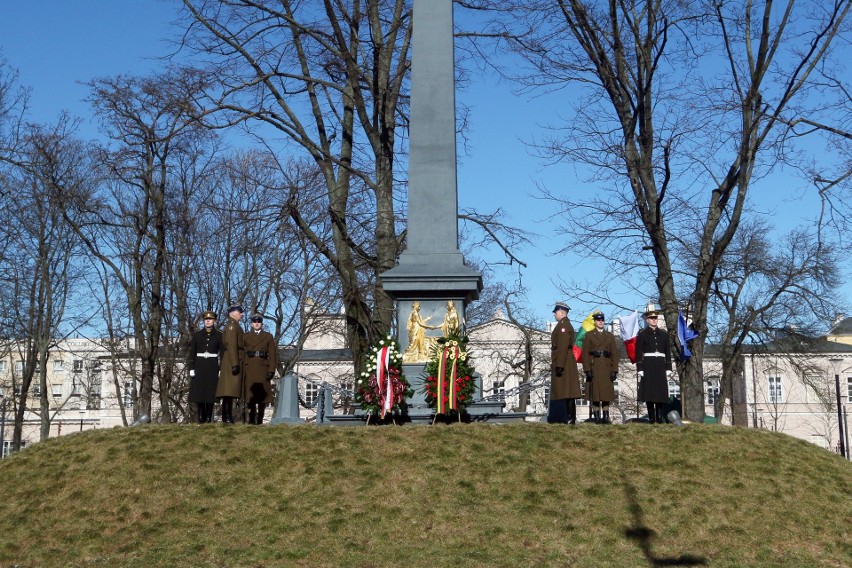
(600, 364)
(205, 348)
(260, 362)
(654, 363)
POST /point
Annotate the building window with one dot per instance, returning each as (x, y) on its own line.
(582, 400)
(811, 386)
(712, 392)
(3, 366)
(77, 365)
(311, 393)
(76, 387)
(127, 395)
(57, 390)
(498, 389)
(58, 366)
(7, 447)
(94, 402)
(19, 366)
(775, 393)
(37, 390)
(674, 389)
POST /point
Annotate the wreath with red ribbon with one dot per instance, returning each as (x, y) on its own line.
(382, 387)
(449, 373)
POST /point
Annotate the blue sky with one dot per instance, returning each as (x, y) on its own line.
(55, 44)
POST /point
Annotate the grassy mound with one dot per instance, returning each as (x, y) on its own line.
(461, 495)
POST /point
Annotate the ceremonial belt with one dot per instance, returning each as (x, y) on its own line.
(206, 355)
(654, 354)
(600, 353)
(263, 354)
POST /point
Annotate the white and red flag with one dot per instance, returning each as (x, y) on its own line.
(629, 330)
(384, 379)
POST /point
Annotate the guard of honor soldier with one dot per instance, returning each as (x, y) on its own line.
(600, 364)
(205, 348)
(564, 378)
(654, 363)
(231, 371)
(260, 363)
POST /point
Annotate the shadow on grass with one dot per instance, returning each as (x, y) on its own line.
(643, 536)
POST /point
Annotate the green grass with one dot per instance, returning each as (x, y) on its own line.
(460, 495)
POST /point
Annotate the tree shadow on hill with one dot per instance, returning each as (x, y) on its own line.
(643, 536)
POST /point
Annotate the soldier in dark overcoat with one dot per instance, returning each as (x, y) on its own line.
(564, 378)
(231, 370)
(202, 362)
(654, 363)
(260, 362)
(600, 364)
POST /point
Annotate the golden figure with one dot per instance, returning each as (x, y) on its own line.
(419, 345)
(451, 325)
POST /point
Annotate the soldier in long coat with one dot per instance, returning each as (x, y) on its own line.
(202, 362)
(564, 378)
(231, 370)
(260, 362)
(600, 364)
(654, 363)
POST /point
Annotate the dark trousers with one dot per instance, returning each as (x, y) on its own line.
(562, 411)
(205, 412)
(228, 409)
(656, 412)
(256, 410)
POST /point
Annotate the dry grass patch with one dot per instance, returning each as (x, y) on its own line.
(475, 495)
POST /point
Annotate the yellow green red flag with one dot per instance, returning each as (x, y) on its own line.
(585, 327)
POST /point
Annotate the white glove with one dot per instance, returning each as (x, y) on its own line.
(641, 374)
(192, 372)
(668, 374)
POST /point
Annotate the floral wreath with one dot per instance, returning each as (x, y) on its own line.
(382, 387)
(450, 373)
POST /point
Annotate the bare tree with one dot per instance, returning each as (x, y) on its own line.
(676, 149)
(762, 291)
(125, 224)
(330, 79)
(47, 264)
(13, 106)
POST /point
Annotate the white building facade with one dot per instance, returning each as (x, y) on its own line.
(793, 393)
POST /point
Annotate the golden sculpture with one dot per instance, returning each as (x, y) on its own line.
(419, 345)
(451, 324)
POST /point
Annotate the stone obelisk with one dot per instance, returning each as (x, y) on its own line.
(431, 270)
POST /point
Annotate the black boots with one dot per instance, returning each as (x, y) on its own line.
(601, 416)
(572, 411)
(205, 412)
(652, 412)
(227, 410)
(656, 412)
(256, 411)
